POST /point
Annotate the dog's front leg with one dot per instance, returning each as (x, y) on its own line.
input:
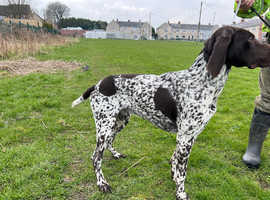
(179, 162)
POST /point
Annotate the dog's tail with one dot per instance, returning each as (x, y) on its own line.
(85, 96)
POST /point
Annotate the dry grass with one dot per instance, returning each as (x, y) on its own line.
(27, 43)
(31, 65)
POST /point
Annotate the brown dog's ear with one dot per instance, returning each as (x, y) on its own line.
(215, 50)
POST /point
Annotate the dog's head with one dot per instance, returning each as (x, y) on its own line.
(235, 47)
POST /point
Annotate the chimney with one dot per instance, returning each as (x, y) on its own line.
(128, 20)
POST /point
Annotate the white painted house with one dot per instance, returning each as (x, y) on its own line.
(178, 31)
(129, 30)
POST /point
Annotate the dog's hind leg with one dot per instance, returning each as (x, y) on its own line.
(104, 128)
(121, 121)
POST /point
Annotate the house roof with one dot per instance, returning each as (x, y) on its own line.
(13, 10)
(73, 28)
(249, 23)
(97, 30)
(191, 26)
(3, 11)
(37, 16)
(130, 24)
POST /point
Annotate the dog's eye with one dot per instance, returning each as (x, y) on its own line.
(251, 37)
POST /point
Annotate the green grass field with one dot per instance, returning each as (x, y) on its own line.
(45, 146)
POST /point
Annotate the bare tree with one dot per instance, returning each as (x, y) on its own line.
(56, 11)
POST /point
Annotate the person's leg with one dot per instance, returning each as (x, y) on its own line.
(258, 130)
(268, 38)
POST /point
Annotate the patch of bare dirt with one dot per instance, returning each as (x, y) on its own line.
(31, 65)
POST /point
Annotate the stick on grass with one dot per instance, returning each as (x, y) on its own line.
(44, 124)
(136, 163)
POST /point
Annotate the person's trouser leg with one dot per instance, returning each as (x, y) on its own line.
(258, 130)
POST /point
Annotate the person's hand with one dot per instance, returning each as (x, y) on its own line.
(245, 4)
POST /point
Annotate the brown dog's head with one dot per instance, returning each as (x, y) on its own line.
(235, 47)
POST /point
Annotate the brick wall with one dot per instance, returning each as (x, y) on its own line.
(73, 33)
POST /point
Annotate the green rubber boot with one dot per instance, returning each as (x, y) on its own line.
(258, 130)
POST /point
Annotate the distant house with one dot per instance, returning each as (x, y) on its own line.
(178, 31)
(31, 22)
(96, 34)
(73, 31)
(129, 30)
(37, 18)
(252, 25)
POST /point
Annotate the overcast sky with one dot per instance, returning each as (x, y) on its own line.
(186, 11)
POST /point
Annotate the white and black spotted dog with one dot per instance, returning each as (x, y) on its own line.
(181, 102)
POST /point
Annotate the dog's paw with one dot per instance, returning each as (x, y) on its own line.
(182, 196)
(119, 156)
(105, 188)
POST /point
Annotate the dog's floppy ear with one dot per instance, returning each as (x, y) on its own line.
(215, 50)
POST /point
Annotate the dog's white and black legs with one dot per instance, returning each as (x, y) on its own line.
(97, 160)
(179, 163)
(108, 124)
(116, 155)
(121, 121)
(104, 128)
